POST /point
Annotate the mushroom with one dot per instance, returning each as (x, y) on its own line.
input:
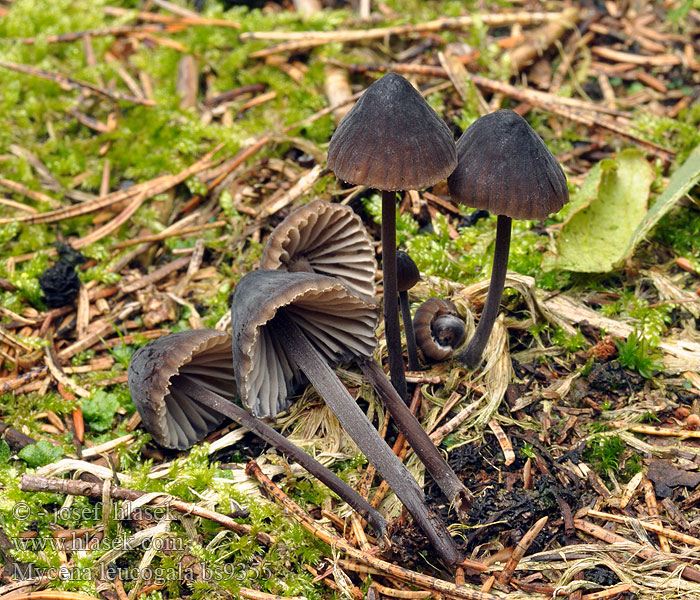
(176, 379)
(392, 140)
(286, 323)
(407, 275)
(506, 168)
(175, 419)
(329, 239)
(439, 329)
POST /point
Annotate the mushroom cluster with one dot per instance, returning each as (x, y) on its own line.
(311, 304)
(308, 308)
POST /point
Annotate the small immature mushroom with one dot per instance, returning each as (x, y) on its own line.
(204, 383)
(325, 238)
(407, 275)
(439, 328)
(287, 323)
(392, 140)
(506, 168)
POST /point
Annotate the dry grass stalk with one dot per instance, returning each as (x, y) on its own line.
(520, 550)
(669, 533)
(157, 275)
(151, 188)
(103, 327)
(308, 39)
(60, 376)
(302, 185)
(611, 592)
(25, 191)
(68, 83)
(461, 80)
(83, 313)
(111, 226)
(49, 595)
(503, 441)
(645, 552)
(666, 60)
(190, 19)
(653, 509)
(630, 490)
(406, 594)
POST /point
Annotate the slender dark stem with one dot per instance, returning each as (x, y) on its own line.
(411, 347)
(471, 355)
(276, 439)
(418, 439)
(355, 422)
(392, 331)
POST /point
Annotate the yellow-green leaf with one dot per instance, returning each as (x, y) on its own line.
(604, 215)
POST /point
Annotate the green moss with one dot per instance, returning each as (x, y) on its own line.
(605, 452)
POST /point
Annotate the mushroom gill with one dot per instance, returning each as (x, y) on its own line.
(176, 419)
(324, 238)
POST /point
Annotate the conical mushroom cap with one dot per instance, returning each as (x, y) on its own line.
(392, 140)
(505, 168)
(329, 239)
(338, 324)
(174, 419)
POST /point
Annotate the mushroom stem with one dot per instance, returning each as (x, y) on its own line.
(418, 439)
(471, 355)
(392, 330)
(411, 348)
(355, 422)
(276, 439)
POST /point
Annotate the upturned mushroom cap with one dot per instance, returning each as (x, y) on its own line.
(407, 273)
(439, 328)
(329, 239)
(506, 168)
(174, 419)
(392, 140)
(339, 324)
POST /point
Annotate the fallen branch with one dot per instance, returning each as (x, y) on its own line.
(73, 487)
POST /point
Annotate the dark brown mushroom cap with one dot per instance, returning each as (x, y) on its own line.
(329, 239)
(175, 419)
(439, 328)
(506, 168)
(339, 324)
(407, 273)
(392, 140)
